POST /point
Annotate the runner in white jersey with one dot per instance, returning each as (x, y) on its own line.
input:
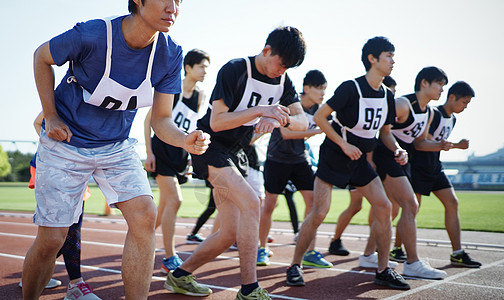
(287, 159)
(336, 245)
(251, 94)
(167, 163)
(410, 130)
(427, 173)
(363, 108)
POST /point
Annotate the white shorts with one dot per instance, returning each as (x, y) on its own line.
(63, 172)
(255, 179)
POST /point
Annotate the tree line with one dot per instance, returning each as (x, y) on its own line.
(14, 166)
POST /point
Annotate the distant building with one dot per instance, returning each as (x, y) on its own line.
(478, 172)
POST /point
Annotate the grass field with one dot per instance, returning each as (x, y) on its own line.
(480, 211)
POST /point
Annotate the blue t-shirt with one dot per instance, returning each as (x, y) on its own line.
(85, 46)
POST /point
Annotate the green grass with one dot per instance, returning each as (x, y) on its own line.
(480, 211)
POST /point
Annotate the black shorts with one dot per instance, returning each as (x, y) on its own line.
(170, 160)
(384, 160)
(424, 183)
(219, 156)
(336, 168)
(276, 176)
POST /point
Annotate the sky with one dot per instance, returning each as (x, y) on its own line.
(464, 38)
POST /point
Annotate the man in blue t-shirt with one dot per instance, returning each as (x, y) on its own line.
(114, 64)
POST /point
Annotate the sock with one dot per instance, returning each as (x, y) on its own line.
(179, 273)
(249, 288)
(71, 285)
(456, 252)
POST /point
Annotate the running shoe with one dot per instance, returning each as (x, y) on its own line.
(234, 246)
(81, 291)
(194, 239)
(463, 260)
(170, 264)
(259, 293)
(295, 276)
(270, 239)
(50, 285)
(397, 254)
(336, 248)
(422, 269)
(186, 285)
(262, 257)
(315, 259)
(371, 261)
(389, 277)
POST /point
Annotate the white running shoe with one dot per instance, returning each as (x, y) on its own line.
(422, 269)
(81, 291)
(50, 285)
(371, 261)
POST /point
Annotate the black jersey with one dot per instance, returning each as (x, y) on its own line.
(232, 85)
(291, 151)
(349, 110)
(418, 119)
(440, 129)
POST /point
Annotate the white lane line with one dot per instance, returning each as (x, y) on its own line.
(477, 285)
(158, 278)
(446, 280)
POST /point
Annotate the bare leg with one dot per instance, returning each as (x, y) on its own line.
(239, 210)
(308, 200)
(267, 209)
(171, 195)
(138, 253)
(399, 189)
(39, 262)
(346, 216)
(452, 219)
(321, 203)
(381, 227)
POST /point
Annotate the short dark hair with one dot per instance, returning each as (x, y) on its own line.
(195, 56)
(288, 43)
(389, 81)
(132, 7)
(375, 46)
(461, 89)
(430, 74)
(314, 78)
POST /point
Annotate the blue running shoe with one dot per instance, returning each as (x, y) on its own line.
(314, 258)
(262, 257)
(170, 264)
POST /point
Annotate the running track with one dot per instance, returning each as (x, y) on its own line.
(102, 240)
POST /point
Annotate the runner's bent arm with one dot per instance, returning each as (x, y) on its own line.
(44, 79)
(150, 161)
(320, 119)
(222, 119)
(388, 139)
(161, 121)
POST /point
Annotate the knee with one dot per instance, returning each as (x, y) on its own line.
(355, 208)
(452, 204)
(144, 217)
(382, 209)
(49, 245)
(318, 215)
(252, 206)
(268, 206)
(410, 207)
